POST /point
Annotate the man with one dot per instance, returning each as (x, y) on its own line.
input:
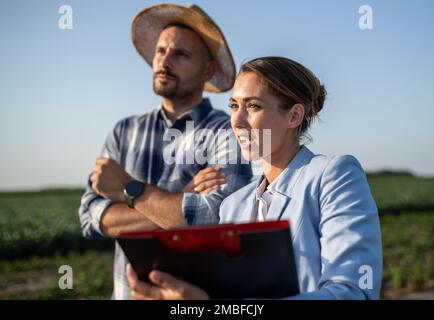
(146, 161)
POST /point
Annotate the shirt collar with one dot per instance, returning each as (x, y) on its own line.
(196, 114)
(261, 188)
(288, 177)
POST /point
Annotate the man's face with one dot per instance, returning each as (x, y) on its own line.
(180, 64)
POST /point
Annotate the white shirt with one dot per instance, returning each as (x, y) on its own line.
(264, 196)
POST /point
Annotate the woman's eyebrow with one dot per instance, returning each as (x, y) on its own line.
(251, 98)
(247, 99)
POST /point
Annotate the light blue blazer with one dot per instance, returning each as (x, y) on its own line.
(334, 225)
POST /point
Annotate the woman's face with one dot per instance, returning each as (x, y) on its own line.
(261, 127)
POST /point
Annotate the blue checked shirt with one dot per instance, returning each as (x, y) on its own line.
(156, 151)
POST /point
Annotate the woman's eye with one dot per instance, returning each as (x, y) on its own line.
(232, 106)
(253, 106)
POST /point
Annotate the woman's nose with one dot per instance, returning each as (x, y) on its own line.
(238, 119)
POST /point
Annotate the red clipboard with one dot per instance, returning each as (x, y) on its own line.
(228, 260)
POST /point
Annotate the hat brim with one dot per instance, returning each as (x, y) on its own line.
(149, 23)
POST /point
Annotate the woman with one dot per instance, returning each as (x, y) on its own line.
(334, 220)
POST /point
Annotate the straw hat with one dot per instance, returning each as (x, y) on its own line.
(149, 23)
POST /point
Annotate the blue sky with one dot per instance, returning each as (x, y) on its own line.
(61, 91)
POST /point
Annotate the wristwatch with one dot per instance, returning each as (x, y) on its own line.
(132, 190)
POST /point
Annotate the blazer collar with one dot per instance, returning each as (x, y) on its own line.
(282, 190)
(290, 176)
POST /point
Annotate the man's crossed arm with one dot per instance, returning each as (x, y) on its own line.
(155, 208)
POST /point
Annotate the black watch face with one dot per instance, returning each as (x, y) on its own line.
(134, 188)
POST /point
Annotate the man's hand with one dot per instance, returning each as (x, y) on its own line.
(109, 179)
(166, 287)
(206, 180)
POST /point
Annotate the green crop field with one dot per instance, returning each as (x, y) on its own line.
(40, 231)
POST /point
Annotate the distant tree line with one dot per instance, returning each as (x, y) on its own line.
(390, 173)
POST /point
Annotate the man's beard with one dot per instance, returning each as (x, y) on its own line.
(166, 91)
(172, 90)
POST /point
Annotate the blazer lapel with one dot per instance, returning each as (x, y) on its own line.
(278, 206)
(250, 212)
(282, 192)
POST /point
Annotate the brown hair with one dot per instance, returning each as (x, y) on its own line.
(291, 83)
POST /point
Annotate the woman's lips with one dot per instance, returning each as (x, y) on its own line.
(244, 141)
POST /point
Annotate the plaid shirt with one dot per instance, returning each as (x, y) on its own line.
(140, 146)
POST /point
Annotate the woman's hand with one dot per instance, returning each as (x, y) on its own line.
(206, 180)
(164, 287)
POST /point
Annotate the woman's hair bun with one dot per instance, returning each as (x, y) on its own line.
(318, 102)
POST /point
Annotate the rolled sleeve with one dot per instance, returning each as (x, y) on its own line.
(204, 209)
(91, 210)
(92, 205)
(200, 209)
